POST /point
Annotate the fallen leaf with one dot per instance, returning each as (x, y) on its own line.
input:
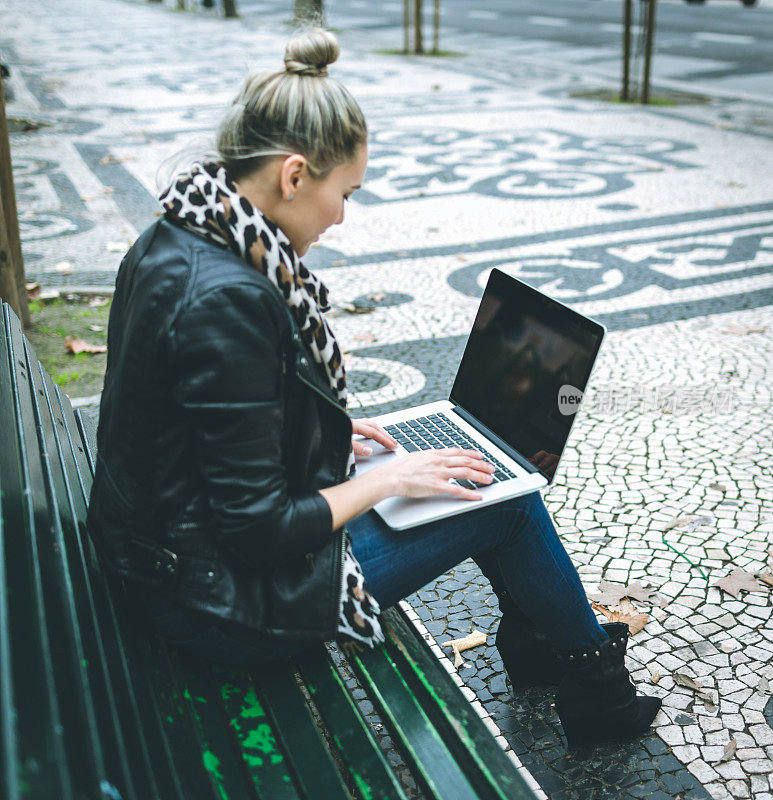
(340, 263)
(364, 338)
(612, 593)
(96, 302)
(655, 676)
(763, 687)
(765, 577)
(351, 308)
(644, 594)
(677, 522)
(110, 159)
(739, 580)
(720, 487)
(75, 345)
(473, 639)
(625, 612)
(461, 257)
(689, 683)
(697, 522)
(742, 330)
(96, 328)
(728, 752)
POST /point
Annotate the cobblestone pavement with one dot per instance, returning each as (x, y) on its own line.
(658, 222)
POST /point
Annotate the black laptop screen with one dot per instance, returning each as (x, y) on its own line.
(523, 352)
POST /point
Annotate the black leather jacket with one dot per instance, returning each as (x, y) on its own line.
(216, 431)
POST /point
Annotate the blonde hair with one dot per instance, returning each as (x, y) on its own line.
(296, 110)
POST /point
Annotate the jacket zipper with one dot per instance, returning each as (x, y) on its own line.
(339, 585)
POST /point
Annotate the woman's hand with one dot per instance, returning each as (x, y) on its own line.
(370, 430)
(420, 474)
(429, 472)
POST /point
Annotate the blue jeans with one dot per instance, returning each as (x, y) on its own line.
(514, 542)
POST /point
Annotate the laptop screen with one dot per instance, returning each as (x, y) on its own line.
(526, 363)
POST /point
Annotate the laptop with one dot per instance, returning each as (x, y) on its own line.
(522, 376)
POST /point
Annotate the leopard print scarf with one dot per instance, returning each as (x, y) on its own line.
(206, 201)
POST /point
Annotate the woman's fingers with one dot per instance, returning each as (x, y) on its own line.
(372, 430)
(447, 487)
(360, 448)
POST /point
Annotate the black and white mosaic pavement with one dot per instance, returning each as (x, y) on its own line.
(657, 222)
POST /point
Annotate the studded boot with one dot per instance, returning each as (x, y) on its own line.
(527, 655)
(596, 700)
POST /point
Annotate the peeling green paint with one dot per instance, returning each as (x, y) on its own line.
(227, 690)
(212, 766)
(261, 738)
(364, 788)
(252, 707)
(187, 695)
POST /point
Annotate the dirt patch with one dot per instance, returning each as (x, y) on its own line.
(81, 374)
(659, 98)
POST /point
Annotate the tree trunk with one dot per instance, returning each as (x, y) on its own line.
(229, 9)
(309, 12)
(13, 287)
(649, 40)
(406, 26)
(627, 18)
(418, 42)
(436, 29)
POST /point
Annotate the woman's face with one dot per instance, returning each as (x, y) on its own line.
(318, 204)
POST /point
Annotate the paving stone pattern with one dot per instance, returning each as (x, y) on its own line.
(658, 222)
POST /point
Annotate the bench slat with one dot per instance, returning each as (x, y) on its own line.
(114, 718)
(491, 771)
(40, 761)
(137, 713)
(364, 759)
(432, 762)
(313, 766)
(254, 738)
(28, 738)
(227, 773)
(173, 744)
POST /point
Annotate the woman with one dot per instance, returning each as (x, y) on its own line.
(221, 492)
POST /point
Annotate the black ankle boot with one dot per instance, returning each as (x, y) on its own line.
(528, 657)
(596, 701)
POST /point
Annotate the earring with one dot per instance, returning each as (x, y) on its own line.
(290, 198)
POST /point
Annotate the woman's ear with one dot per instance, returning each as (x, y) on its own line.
(291, 175)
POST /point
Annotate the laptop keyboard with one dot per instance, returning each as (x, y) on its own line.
(435, 432)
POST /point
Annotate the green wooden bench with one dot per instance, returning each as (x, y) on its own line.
(94, 706)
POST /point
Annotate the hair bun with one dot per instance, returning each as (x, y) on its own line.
(310, 52)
